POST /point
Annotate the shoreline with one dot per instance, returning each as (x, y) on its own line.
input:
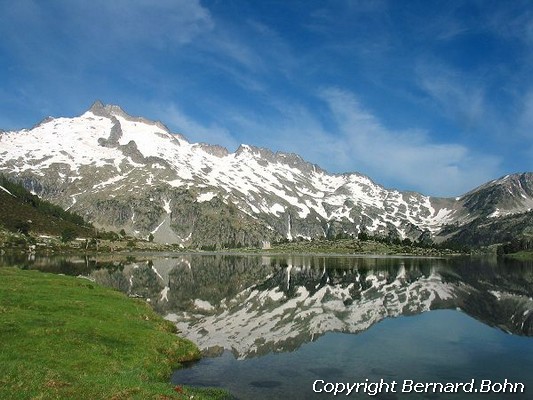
(66, 337)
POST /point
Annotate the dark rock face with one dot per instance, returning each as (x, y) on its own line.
(98, 109)
(507, 193)
(215, 150)
(212, 225)
(496, 212)
(114, 136)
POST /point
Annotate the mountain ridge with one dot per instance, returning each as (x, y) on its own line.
(125, 172)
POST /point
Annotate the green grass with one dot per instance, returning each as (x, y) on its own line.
(521, 255)
(24, 212)
(67, 338)
(354, 246)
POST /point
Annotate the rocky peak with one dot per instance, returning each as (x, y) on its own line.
(107, 110)
(508, 194)
(214, 150)
(244, 148)
(44, 121)
(98, 108)
(291, 159)
(112, 110)
(294, 160)
(518, 184)
(256, 152)
(116, 110)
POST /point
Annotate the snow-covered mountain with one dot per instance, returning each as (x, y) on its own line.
(120, 171)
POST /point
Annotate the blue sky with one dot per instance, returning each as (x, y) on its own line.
(430, 96)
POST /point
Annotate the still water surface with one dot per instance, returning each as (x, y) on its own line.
(272, 326)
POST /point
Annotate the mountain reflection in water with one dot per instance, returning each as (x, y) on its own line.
(255, 305)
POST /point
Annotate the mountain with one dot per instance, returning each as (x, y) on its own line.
(125, 172)
(23, 212)
(498, 211)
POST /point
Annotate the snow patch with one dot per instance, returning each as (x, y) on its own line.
(277, 209)
(108, 182)
(203, 305)
(495, 214)
(203, 197)
(166, 206)
(158, 226)
(7, 191)
(164, 294)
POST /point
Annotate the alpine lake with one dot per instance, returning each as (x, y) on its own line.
(306, 326)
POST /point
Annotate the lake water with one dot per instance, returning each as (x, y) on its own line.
(280, 326)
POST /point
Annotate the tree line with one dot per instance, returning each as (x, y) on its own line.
(42, 206)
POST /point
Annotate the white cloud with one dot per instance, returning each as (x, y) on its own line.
(172, 115)
(291, 127)
(526, 115)
(525, 122)
(408, 157)
(510, 20)
(161, 23)
(99, 27)
(460, 98)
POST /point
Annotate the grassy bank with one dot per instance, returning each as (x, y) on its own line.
(355, 246)
(67, 338)
(525, 255)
